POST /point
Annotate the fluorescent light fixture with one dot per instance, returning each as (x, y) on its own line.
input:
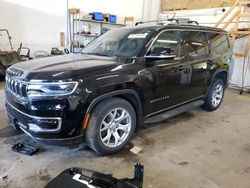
(167, 41)
(197, 43)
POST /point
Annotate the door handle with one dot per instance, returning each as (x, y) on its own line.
(210, 61)
(177, 69)
(180, 68)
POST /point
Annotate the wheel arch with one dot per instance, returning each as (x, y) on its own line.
(129, 95)
(221, 74)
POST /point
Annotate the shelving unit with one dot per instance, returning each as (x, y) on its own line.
(78, 39)
(101, 22)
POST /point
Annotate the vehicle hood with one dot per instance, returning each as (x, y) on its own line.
(63, 66)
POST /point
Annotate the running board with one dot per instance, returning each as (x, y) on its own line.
(170, 113)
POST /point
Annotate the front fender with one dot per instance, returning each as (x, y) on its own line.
(94, 100)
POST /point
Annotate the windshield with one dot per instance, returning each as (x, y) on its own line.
(119, 43)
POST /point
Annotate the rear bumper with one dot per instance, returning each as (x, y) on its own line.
(49, 135)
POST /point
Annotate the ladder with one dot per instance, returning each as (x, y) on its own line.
(240, 10)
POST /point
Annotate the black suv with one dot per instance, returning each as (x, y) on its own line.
(124, 78)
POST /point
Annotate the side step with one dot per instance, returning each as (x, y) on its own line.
(173, 112)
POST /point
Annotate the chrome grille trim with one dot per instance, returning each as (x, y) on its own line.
(16, 87)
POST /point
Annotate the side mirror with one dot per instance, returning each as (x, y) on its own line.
(159, 53)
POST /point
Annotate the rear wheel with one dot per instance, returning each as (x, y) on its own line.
(215, 95)
(111, 126)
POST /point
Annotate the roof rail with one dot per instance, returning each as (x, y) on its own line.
(160, 22)
(192, 21)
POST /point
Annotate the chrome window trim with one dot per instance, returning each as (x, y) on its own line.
(156, 37)
(151, 42)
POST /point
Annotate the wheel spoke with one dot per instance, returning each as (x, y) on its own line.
(123, 116)
(106, 139)
(218, 88)
(124, 128)
(117, 137)
(105, 126)
(113, 115)
(217, 102)
(214, 102)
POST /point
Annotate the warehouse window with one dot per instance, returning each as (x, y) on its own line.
(194, 44)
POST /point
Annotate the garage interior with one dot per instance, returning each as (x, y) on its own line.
(196, 149)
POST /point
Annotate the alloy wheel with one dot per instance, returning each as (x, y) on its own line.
(115, 127)
(217, 95)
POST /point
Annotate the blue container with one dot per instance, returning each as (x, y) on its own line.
(112, 18)
(97, 16)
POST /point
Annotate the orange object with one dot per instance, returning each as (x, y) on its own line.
(85, 124)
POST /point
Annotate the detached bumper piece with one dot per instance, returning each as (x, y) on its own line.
(85, 178)
(24, 149)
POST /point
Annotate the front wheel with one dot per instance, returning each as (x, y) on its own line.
(215, 95)
(111, 126)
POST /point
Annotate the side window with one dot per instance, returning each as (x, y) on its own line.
(167, 44)
(194, 44)
(219, 43)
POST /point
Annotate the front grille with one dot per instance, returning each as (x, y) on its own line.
(17, 87)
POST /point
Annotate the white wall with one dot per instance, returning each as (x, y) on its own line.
(38, 23)
(35, 23)
(151, 9)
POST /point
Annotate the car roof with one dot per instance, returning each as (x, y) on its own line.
(179, 26)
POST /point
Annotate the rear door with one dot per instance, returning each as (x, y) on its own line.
(196, 52)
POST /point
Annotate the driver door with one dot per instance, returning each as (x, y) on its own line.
(170, 73)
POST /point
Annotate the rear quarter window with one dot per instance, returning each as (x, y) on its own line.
(219, 43)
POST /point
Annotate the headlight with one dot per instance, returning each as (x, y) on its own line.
(51, 89)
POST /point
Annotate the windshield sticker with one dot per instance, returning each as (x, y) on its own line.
(138, 36)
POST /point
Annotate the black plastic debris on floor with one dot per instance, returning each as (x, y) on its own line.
(25, 149)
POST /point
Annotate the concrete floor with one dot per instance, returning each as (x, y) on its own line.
(197, 149)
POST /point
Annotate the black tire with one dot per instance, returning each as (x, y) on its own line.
(2, 71)
(209, 98)
(93, 137)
